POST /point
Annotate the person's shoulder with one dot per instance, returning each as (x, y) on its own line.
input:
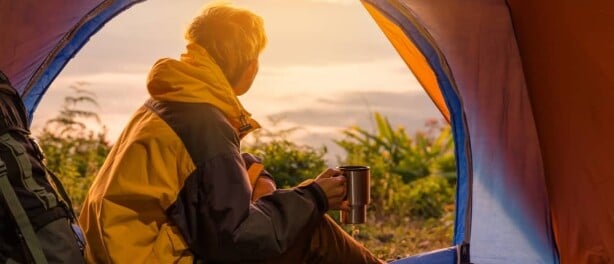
(193, 114)
(206, 116)
(203, 128)
(212, 113)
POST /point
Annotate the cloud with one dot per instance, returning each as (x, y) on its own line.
(323, 120)
(408, 109)
(344, 93)
(117, 93)
(281, 88)
(320, 32)
(387, 75)
(300, 32)
(327, 66)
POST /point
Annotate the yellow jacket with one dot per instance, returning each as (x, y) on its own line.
(175, 186)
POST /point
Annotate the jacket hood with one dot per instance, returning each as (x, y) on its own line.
(196, 78)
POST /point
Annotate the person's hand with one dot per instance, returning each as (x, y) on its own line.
(264, 186)
(332, 183)
(250, 159)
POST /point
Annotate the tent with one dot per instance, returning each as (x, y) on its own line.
(525, 85)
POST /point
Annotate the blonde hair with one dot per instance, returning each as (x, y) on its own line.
(233, 37)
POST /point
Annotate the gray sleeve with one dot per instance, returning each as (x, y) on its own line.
(245, 230)
(217, 218)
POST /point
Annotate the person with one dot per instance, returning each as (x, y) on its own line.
(175, 187)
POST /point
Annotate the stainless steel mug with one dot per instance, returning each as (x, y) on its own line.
(358, 193)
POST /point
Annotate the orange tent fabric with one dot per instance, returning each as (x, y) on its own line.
(539, 160)
(528, 86)
(413, 58)
(567, 50)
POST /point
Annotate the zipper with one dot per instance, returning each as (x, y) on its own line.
(244, 125)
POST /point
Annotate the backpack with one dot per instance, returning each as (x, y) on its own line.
(37, 221)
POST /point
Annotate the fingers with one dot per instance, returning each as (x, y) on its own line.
(339, 204)
(334, 203)
(345, 206)
(329, 173)
(339, 188)
(333, 183)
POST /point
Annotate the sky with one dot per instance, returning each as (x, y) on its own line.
(327, 67)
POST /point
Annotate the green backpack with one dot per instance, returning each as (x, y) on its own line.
(37, 222)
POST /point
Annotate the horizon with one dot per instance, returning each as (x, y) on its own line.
(327, 67)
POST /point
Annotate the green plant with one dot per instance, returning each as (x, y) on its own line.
(393, 240)
(413, 177)
(73, 151)
(425, 198)
(398, 164)
(288, 162)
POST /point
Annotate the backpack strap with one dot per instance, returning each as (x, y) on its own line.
(11, 261)
(25, 230)
(67, 204)
(63, 195)
(48, 199)
(14, 119)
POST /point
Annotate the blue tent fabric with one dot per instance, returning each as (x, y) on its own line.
(442, 256)
(446, 83)
(34, 93)
(502, 206)
(508, 203)
(40, 37)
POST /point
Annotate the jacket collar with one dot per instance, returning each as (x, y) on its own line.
(196, 78)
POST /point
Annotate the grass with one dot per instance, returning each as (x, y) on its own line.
(392, 239)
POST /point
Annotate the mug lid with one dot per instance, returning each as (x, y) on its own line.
(353, 167)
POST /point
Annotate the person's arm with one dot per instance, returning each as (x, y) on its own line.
(224, 225)
(263, 186)
(217, 218)
(261, 181)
